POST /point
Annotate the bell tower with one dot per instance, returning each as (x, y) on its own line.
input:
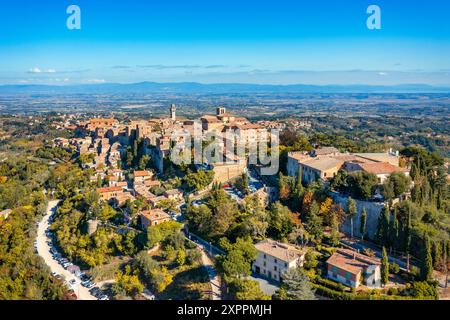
(220, 111)
(173, 112)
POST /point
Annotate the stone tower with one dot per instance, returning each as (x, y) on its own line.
(221, 111)
(173, 112)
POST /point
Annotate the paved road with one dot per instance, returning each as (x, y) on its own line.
(44, 251)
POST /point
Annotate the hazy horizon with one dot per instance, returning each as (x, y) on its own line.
(319, 43)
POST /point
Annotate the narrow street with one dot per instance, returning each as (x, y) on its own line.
(43, 250)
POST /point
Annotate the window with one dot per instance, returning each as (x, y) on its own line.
(275, 260)
(285, 265)
(265, 256)
(275, 268)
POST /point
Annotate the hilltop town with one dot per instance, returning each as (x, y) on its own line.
(127, 220)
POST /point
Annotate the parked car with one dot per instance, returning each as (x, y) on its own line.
(94, 290)
(84, 277)
(88, 284)
(73, 282)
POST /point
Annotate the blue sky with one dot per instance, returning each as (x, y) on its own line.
(276, 41)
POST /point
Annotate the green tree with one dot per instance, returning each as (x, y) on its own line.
(314, 223)
(256, 217)
(200, 180)
(382, 234)
(296, 285)
(362, 184)
(335, 236)
(384, 267)
(237, 262)
(351, 212)
(280, 221)
(144, 162)
(129, 243)
(244, 289)
(299, 188)
(181, 257)
(146, 263)
(400, 183)
(127, 283)
(426, 269)
(99, 181)
(394, 228)
(363, 223)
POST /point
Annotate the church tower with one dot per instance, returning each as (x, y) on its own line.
(173, 112)
(221, 111)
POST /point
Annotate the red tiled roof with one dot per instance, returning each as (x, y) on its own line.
(351, 261)
(155, 214)
(142, 174)
(279, 250)
(381, 167)
(109, 189)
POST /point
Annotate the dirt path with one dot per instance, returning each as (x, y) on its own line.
(44, 251)
(214, 277)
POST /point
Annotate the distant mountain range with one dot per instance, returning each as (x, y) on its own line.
(193, 87)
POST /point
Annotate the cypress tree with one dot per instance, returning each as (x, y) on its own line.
(363, 223)
(352, 211)
(335, 230)
(426, 270)
(408, 236)
(299, 181)
(393, 228)
(414, 171)
(436, 253)
(135, 150)
(99, 181)
(383, 226)
(384, 267)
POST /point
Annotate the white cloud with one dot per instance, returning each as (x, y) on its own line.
(382, 73)
(39, 70)
(96, 80)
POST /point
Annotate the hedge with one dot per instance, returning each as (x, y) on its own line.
(336, 295)
(330, 284)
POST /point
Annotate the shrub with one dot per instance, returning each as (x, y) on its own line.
(392, 292)
(330, 284)
(193, 256)
(394, 268)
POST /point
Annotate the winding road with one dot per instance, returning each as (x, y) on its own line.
(43, 250)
